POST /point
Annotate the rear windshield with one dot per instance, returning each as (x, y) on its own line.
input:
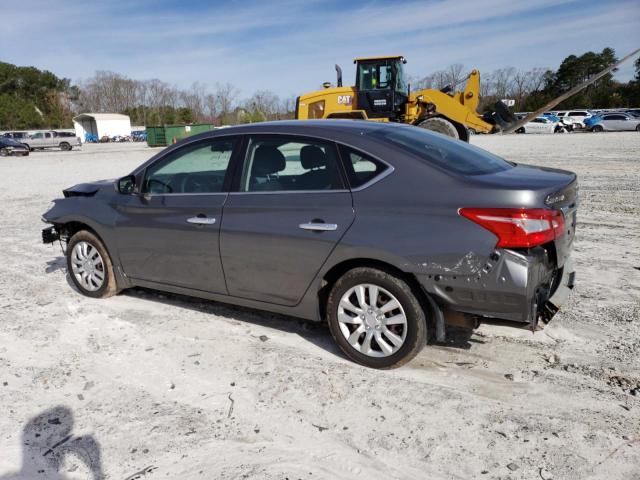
(454, 156)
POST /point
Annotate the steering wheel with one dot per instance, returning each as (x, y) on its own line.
(195, 184)
(164, 187)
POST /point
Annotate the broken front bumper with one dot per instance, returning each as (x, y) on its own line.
(50, 235)
(522, 287)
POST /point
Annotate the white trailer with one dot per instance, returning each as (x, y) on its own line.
(102, 124)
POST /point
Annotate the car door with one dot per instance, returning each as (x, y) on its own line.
(169, 232)
(49, 140)
(614, 122)
(289, 209)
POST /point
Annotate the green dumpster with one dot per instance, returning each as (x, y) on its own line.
(164, 135)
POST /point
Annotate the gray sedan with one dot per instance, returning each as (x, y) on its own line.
(386, 232)
(615, 122)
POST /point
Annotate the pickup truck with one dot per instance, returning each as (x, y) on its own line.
(41, 140)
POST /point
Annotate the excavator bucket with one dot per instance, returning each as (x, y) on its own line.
(502, 116)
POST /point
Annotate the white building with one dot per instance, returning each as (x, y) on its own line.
(101, 124)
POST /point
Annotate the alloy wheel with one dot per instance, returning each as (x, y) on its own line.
(88, 266)
(372, 320)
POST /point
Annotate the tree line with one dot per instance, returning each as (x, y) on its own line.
(33, 98)
(533, 88)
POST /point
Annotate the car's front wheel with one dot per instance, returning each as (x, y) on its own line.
(375, 318)
(90, 266)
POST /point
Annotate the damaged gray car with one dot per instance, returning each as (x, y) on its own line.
(387, 232)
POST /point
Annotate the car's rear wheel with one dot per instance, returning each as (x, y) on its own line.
(597, 129)
(4, 152)
(90, 266)
(638, 128)
(65, 147)
(375, 318)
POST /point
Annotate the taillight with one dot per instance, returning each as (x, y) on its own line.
(518, 227)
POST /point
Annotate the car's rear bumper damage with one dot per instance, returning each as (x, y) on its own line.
(523, 287)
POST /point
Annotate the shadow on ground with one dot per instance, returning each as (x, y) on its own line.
(313, 332)
(51, 451)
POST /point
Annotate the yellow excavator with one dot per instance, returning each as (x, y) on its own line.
(381, 93)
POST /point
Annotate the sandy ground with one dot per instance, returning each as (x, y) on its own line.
(147, 385)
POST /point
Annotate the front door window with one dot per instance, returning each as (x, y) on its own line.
(198, 168)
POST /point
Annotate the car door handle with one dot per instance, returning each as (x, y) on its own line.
(319, 227)
(201, 220)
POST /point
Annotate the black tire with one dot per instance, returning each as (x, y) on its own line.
(638, 128)
(416, 321)
(597, 129)
(65, 147)
(28, 146)
(4, 152)
(109, 286)
(440, 125)
(520, 130)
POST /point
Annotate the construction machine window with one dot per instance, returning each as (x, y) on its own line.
(374, 76)
(316, 109)
(382, 75)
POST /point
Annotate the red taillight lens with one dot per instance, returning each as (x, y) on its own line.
(518, 227)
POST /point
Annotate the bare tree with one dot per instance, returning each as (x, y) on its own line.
(226, 94)
(194, 100)
(502, 80)
(455, 74)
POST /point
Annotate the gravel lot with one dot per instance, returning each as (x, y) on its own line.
(147, 385)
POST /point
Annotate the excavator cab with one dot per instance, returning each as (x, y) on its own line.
(381, 86)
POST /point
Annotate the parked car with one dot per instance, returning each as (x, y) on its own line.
(382, 230)
(51, 139)
(139, 135)
(19, 136)
(565, 122)
(613, 122)
(9, 146)
(633, 111)
(577, 117)
(541, 125)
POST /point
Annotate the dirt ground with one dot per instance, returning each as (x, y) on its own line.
(147, 385)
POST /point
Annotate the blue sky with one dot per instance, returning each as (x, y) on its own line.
(290, 47)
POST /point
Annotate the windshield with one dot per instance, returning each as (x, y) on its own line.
(454, 156)
(379, 75)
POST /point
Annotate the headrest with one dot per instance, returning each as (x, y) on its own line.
(312, 156)
(267, 161)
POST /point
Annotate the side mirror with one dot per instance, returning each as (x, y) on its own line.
(126, 185)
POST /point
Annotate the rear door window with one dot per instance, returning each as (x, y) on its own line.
(287, 163)
(360, 168)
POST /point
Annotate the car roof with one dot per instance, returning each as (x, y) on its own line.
(308, 127)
